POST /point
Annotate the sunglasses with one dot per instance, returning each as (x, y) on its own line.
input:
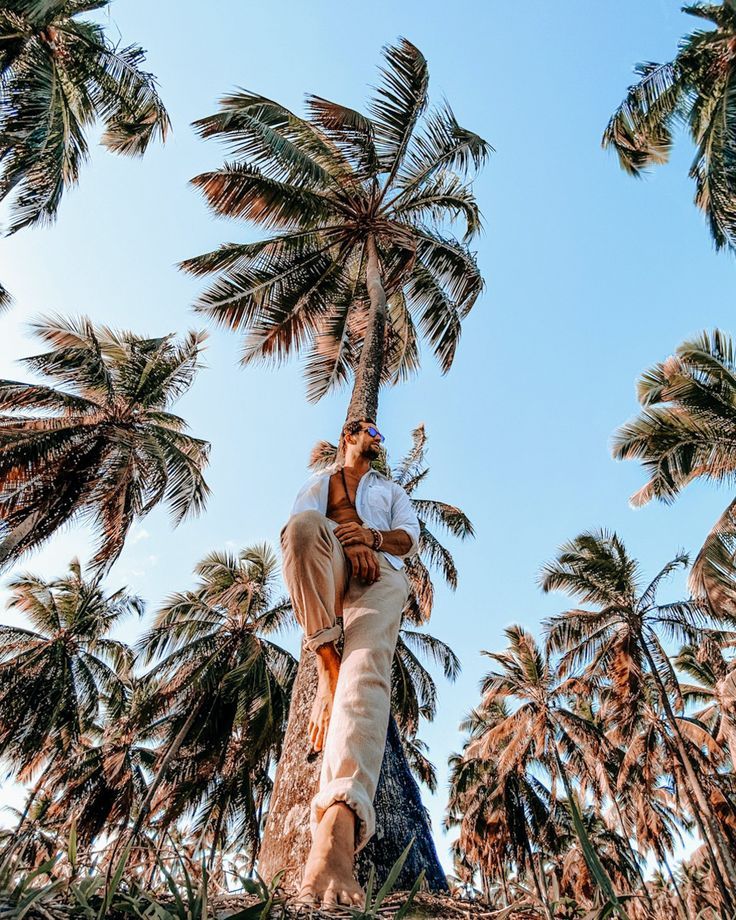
(374, 432)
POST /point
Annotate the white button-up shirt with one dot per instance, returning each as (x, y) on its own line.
(380, 503)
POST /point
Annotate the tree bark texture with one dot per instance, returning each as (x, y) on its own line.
(400, 814)
(364, 398)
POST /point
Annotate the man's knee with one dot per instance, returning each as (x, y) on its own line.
(303, 528)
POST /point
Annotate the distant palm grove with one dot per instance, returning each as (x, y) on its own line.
(600, 748)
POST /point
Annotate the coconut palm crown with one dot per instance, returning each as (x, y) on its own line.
(59, 75)
(696, 90)
(54, 674)
(359, 204)
(687, 431)
(229, 686)
(104, 446)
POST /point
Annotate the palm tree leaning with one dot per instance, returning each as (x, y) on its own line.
(618, 640)
(53, 676)
(687, 431)
(102, 443)
(361, 255)
(59, 75)
(695, 89)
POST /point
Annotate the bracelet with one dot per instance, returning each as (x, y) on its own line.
(377, 539)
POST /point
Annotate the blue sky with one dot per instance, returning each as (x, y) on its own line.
(591, 278)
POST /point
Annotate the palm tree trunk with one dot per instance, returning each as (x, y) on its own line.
(597, 870)
(400, 814)
(504, 883)
(168, 757)
(364, 399)
(16, 536)
(720, 849)
(632, 852)
(537, 884)
(680, 898)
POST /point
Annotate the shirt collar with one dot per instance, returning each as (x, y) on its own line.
(336, 467)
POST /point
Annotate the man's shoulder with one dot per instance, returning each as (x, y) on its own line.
(324, 472)
(389, 484)
(314, 479)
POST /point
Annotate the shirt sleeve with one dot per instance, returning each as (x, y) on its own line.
(308, 497)
(403, 517)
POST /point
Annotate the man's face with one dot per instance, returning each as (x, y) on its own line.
(367, 444)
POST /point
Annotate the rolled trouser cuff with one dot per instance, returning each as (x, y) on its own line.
(323, 637)
(356, 798)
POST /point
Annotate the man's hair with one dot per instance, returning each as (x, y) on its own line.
(352, 427)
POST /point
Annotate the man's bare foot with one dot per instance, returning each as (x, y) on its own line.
(328, 668)
(328, 874)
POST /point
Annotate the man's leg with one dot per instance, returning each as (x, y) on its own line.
(343, 819)
(315, 573)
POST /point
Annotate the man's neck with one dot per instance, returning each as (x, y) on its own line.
(358, 466)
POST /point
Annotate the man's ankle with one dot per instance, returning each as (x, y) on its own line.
(341, 822)
(328, 658)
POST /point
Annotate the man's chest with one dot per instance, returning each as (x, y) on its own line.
(341, 498)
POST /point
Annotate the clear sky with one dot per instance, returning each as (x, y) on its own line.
(591, 278)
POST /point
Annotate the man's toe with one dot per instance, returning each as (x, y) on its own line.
(307, 896)
(330, 898)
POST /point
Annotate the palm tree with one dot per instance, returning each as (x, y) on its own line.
(503, 818)
(619, 639)
(104, 447)
(361, 256)
(228, 687)
(59, 75)
(715, 690)
(696, 89)
(54, 675)
(360, 205)
(687, 431)
(105, 780)
(541, 732)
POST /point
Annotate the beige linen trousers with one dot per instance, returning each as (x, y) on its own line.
(317, 576)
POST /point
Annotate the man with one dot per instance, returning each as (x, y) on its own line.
(343, 547)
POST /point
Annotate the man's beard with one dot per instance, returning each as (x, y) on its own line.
(372, 452)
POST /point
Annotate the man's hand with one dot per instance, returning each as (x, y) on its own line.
(352, 534)
(363, 563)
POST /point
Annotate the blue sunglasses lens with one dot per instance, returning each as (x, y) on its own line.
(373, 432)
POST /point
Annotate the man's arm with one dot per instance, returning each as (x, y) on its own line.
(396, 542)
(401, 540)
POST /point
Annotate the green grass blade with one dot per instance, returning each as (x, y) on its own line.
(115, 881)
(71, 851)
(36, 894)
(181, 910)
(402, 911)
(392, 876)
(369, 888)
